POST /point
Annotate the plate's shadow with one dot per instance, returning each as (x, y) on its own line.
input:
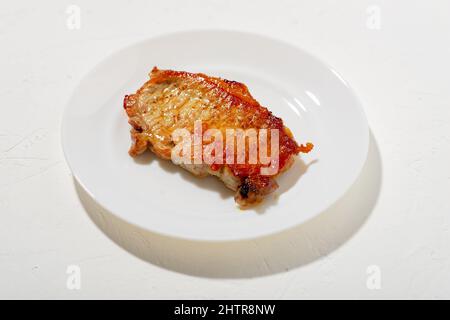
(267, 255)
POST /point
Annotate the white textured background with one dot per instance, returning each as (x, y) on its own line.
(397, 216)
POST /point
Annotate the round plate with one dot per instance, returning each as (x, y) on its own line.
(312, 99)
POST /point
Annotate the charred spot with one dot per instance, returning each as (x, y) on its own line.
(125, 99)
(244, 190)
(231, 82)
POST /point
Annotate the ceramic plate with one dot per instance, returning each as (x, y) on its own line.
(313, 100)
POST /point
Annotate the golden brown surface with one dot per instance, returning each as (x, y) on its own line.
(173, 100)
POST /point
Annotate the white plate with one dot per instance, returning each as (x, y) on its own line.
(313, 100)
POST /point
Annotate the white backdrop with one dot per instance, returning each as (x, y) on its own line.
(387, 238)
